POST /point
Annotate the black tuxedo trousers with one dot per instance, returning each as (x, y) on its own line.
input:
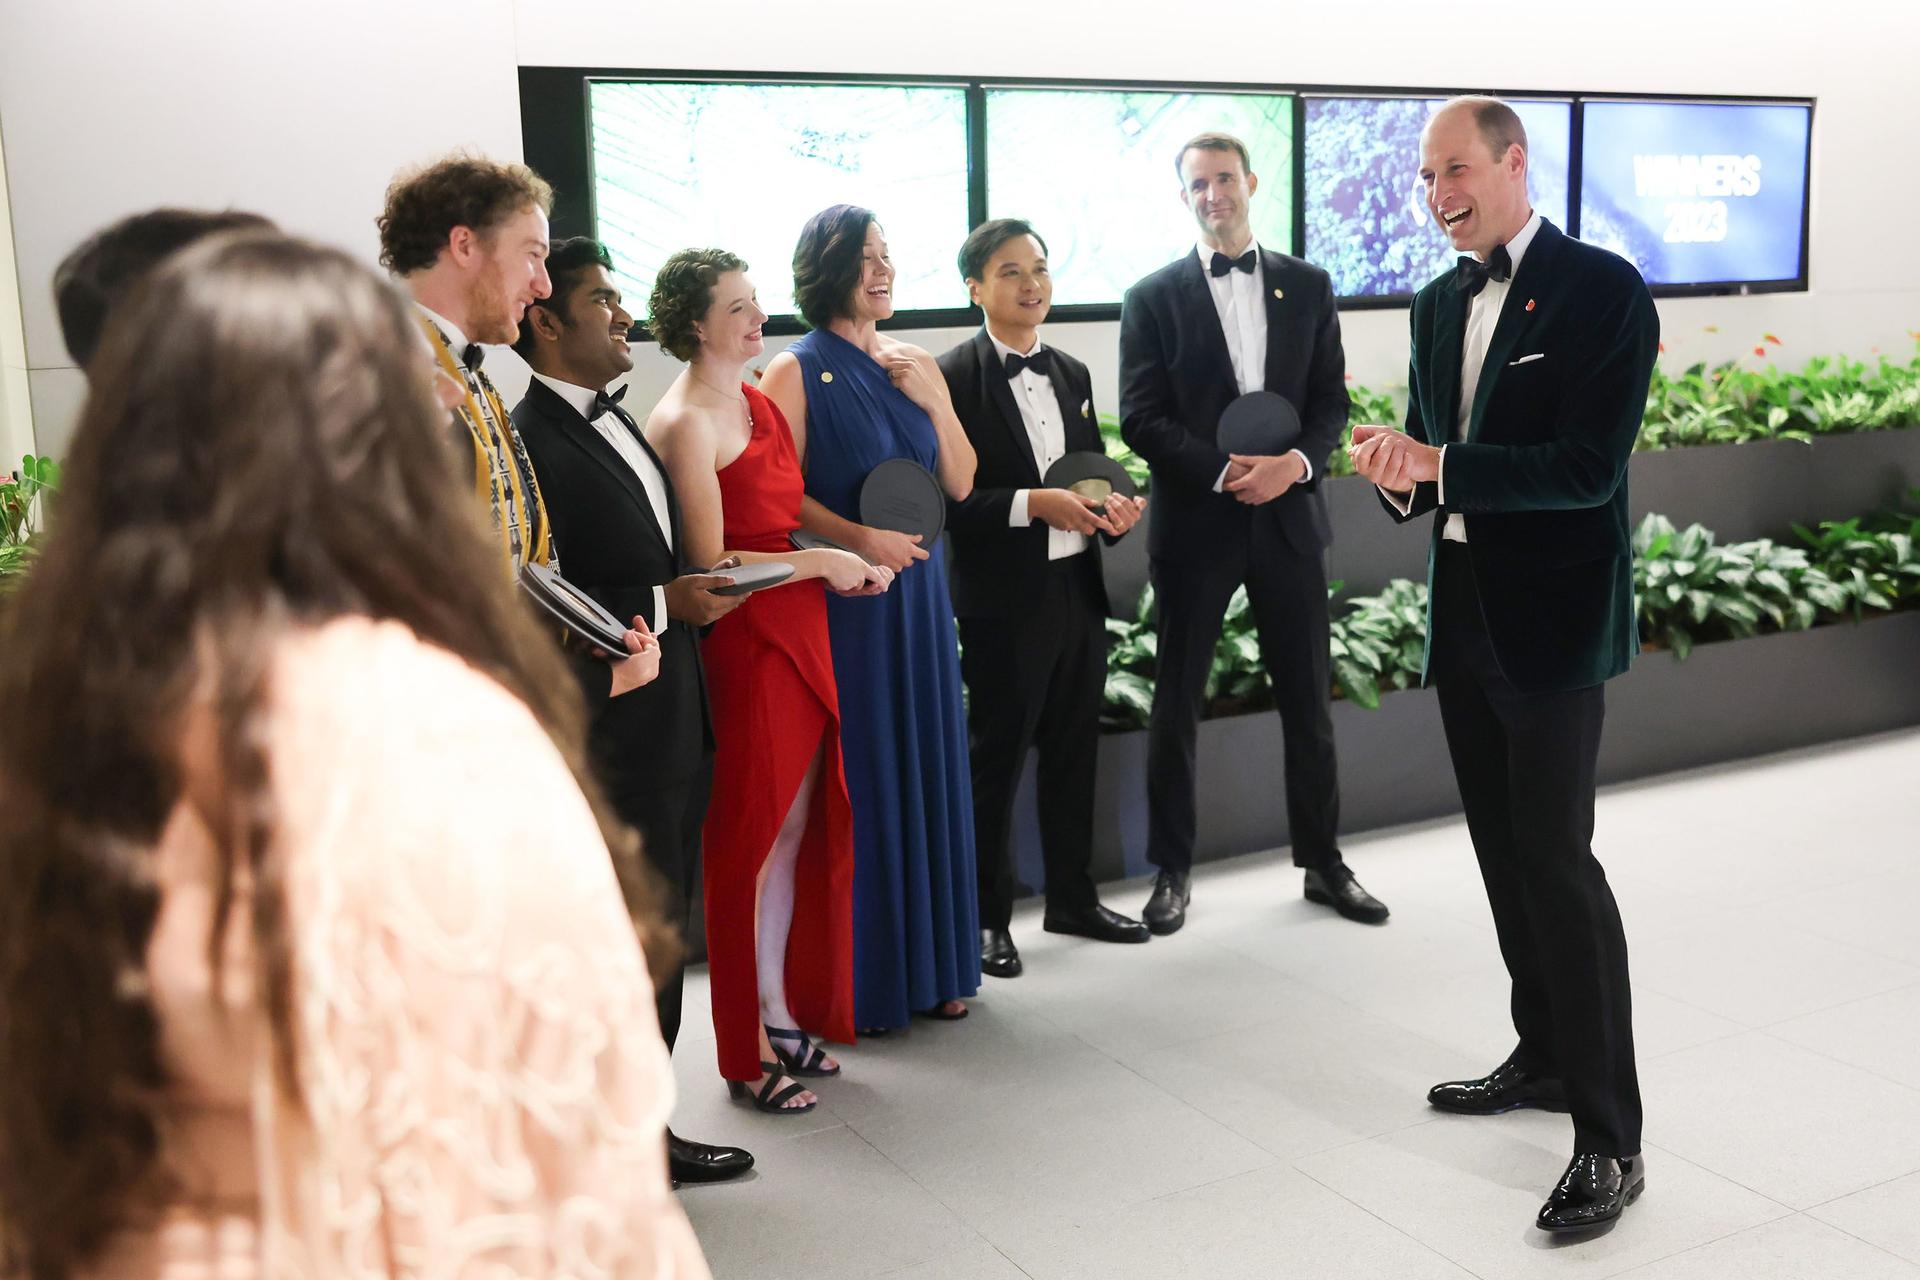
(669, 819)
(1287, 591)
(1035, 679)
(1526, 766)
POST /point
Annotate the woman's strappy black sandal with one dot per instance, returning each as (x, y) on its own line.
(805, 1059)
(767, 1099)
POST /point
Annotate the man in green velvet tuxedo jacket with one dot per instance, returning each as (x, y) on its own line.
(1531, 360)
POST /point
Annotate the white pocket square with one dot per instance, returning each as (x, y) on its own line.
(1538, 355)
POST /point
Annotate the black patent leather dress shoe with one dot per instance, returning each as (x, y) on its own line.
(1507, 1087)
(1593, 1191)
(999, 958)
(1166, 908)
(703, 1162)
(1096, 922)
(1335, 887)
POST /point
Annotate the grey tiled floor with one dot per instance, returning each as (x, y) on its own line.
(1246, 1098)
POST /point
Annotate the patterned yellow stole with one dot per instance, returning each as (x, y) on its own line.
(503, 477)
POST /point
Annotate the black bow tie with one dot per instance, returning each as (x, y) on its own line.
(1041, 362)
(1472, 275)
(471, 355)
(603, 403)
(1223, 264)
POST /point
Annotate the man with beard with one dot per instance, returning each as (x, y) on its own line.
(615, 515)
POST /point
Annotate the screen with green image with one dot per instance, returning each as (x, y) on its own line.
(1093, 171)
(743, 166)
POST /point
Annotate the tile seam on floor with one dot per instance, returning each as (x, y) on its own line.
(1875, 995)
(1854, 1235)
(1842, 1062)
(1435, 1250)
(932, 1195)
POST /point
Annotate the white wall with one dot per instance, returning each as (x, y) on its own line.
(304, 112)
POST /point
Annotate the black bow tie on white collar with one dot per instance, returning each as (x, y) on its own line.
(603, 403)
(1041, 362)
(1474, 274)
(471, 355)
(1223, 264)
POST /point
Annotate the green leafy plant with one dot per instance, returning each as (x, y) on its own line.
(1379, 642)
(1873, 568)
(1689, 588)
(23, 503)
(1120, 452)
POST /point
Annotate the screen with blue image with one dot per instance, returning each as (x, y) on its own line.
(743, 166)
(1697, 192)
(1366, 213)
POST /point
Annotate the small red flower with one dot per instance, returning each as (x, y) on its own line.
(1770, 338)
(1663, 348)
(1529, 304)
(1349, 377)
(1759, 351)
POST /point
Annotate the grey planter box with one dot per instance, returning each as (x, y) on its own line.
(1728, 701)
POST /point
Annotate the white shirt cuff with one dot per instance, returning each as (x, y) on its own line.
(1305, 462)
(1401, 502)
(1220, 481)
(1442, 479)
(1017, 513)
(659, 610)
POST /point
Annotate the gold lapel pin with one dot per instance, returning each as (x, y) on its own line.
(1086, 410)
(1279, 293)
(826, 375)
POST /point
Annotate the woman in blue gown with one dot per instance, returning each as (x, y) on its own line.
(855, 398)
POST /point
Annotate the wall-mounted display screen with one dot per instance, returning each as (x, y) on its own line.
(1367, 223)
(1093, 171)
(743, 166)
(1697, 192)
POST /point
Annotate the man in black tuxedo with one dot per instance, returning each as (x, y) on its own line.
(1227, 319)
(1028, 591)
(618, 526)
(1529, 377)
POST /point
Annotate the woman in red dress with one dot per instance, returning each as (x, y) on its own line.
(778, 843)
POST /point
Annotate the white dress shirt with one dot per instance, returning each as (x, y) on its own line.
(1046, 436)
(615, 433)
(1239, 298)
(1483, 315)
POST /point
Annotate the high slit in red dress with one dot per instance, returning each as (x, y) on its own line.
(771, 686)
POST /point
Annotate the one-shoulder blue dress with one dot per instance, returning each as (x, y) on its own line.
(903, 731)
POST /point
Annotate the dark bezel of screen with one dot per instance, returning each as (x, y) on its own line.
(556, 142)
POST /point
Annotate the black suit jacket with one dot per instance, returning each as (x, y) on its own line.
(1176, 379)
(612, 547)
(1542, 474)
(997, 569)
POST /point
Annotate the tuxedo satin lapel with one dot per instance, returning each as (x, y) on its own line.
(581, 432)
(1280, 316)
(1449, 339)
(1533, 278)
(1203, 318)
(998, 389)
(1082, 432)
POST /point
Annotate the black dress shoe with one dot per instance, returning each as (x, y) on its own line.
(702, 1162)
(1166, 908)
(999, 958)
(1507, 1087)
(1593, 1191)
(1096, 922)
(1335, 887)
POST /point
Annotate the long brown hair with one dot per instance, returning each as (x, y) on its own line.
(262, 449)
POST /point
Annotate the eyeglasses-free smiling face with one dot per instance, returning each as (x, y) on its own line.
(873, 296)
(1015, 290)
(1477, 198)
(1218, 190)
(731, 329)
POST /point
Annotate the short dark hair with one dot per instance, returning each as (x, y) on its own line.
(1212, 140)
(100, 273)
(1500, 125)
(682, 292)
(425, 205)
(827, 262)
(567, 261)
(985, 240)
